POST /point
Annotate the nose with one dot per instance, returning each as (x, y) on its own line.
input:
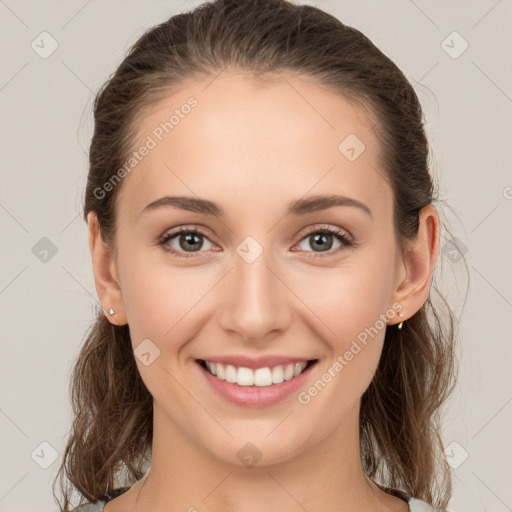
(256, 301)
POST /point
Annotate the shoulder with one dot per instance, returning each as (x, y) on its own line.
(97, 506)
(416, 505)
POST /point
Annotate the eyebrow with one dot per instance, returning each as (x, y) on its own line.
(297, 207)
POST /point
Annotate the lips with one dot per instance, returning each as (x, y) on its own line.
(254, 385)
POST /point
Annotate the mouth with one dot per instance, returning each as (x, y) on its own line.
(264, 377)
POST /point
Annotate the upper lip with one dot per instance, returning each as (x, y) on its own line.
(256, 362)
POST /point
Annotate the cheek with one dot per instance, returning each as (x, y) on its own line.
(348, 306)
(163, 303)
(352, 317)
(344, 302)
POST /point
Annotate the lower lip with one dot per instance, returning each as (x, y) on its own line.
(256, 396)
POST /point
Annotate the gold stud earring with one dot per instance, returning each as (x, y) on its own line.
(401, 324)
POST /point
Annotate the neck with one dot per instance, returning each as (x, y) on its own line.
(327, 476)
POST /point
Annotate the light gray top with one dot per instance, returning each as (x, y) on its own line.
(415, 505)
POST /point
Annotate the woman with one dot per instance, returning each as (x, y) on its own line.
(263, 239)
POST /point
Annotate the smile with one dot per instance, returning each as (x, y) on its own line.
(265, 376)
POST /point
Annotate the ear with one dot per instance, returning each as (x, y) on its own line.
(105, 273)
(417, 265)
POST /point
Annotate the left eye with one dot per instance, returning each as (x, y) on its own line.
(191, 241)
(322, 239)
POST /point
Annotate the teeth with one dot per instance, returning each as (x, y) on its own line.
(298, 367)
(277, 375)
(220, 371)
(245, 377)
(260, 377)
(288, 373)
(211, 367)
(231, 375)
(263, 377)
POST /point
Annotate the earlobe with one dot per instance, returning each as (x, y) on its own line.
(105, 274)
(418, 261)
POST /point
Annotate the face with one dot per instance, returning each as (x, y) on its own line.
(257, 278)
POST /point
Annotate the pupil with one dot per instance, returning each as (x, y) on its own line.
(319, 238)
(189, 240)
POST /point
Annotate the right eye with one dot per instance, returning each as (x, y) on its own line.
(182, 239)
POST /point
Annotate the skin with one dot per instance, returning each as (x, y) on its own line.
(253, 147)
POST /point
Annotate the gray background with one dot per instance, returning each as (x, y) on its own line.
(48, 300)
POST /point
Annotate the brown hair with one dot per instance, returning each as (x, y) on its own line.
(401, 445)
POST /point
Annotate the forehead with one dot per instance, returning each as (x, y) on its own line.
(244, 141)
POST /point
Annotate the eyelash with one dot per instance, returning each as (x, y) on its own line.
(341, 235)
